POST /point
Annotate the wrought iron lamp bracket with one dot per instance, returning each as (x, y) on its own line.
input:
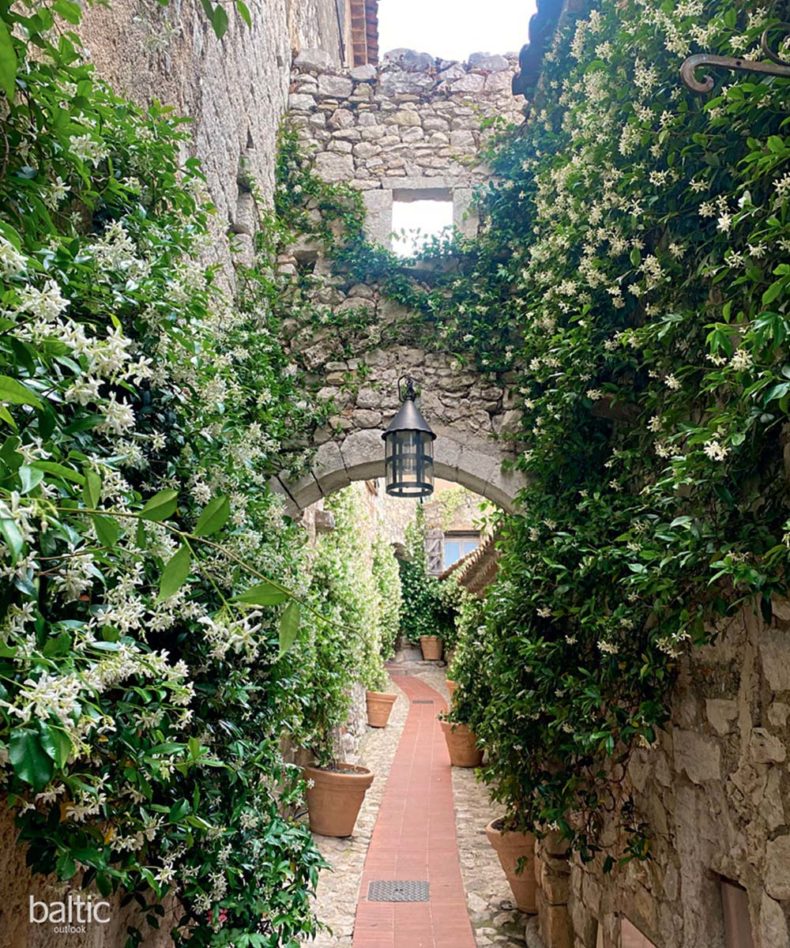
(776, 67)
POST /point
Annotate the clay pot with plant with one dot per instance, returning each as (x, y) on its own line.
(461, 744)
(431, 646)
(516, 852)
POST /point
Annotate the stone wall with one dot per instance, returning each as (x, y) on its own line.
(715, 791)
(18, 884)
(405, 130)
(234, 90)
(471, 414)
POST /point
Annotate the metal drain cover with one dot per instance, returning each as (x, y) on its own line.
(422, 701)
(380, 891)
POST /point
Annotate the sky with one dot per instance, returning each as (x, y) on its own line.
(452, 29)
(448, 29)
(420, 219)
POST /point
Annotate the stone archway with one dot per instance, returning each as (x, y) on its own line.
(473, 417)
(360, 456)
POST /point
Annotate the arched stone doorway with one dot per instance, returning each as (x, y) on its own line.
(360, 456)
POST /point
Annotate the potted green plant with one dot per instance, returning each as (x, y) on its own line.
(378, 701)
(516, 852)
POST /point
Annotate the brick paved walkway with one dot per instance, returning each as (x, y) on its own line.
(414, 840)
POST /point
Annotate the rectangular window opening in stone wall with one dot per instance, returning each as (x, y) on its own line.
(735, 912)
(457, 546)
(418, 217)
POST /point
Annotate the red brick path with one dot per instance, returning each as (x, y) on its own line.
(414, 839)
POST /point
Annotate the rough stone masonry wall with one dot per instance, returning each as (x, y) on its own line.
(409, 128)
(716, 793)
(234, 90)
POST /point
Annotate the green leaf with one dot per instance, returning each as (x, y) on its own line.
(214, 517)
(60, 470)
(30, 477)
(178, 811)
(289, 625)
(68, 10)
(66, 867)
(8, 62)
(16, 393)
(30, 761)
(11, 532)
(91, 492)
(175, 573)
(160, 506)
(56, 743)
(263, 594)
(773, 291)
(244, 12)
(219, 20)
(108, 530)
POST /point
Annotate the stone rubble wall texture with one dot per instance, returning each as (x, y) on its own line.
(716, 793)
(406, 129)
(234, 90)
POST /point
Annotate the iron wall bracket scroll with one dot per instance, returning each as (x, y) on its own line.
(776, 67)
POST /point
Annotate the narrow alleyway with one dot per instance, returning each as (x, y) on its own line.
(414, 840)
(422, 821)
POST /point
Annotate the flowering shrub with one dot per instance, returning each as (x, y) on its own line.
(145, 678)
(346, 589)
(420, 591)
(636, 242)
(388, 586)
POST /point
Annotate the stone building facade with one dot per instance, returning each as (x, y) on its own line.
(715, 791)
(234, 90)
(406, 130)
(409, 129)
(714, 794)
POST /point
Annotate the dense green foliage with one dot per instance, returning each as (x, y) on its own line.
(420, 590)
(636, 243)
(388, 587)
(151, 654)
(352, 587)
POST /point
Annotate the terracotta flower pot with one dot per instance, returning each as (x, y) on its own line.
(511, 848)
(461, 745)
(431, 646)
(334, 799)
(451, 687)
(379, 707)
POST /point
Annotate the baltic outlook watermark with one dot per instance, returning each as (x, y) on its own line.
(69, 917)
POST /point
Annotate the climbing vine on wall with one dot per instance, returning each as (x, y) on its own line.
(145, 684)
(637, 237)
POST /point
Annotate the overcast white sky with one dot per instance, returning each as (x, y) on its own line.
(449, 29)
(452, 29)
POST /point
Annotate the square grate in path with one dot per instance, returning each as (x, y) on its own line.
(422, 701)
(400, 891)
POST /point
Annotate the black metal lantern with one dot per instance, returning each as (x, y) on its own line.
(408, 449)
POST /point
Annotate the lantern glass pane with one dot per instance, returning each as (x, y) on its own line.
(408, 463)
